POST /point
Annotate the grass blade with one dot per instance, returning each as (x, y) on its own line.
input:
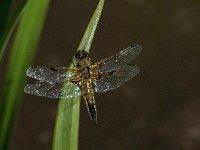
(5, 36)
(67, 119)
(22, 53)
(5, 6)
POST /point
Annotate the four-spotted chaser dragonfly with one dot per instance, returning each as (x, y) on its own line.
(105, 75)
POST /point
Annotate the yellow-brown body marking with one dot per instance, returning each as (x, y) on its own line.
(85, 83)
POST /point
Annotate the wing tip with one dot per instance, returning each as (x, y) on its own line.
(28, 71)
(135, 68)
(136, 46)
(29, 89)
(26, 89)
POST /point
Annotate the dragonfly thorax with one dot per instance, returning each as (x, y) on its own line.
(85, 72)
(84, 63)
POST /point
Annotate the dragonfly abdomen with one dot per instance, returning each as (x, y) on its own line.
(88, 96)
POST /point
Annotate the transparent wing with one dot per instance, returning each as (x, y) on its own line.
(119, 60)
(51, 75)
(115, 79)
(45, 89)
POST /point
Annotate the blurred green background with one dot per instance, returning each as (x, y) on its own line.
(156, 110)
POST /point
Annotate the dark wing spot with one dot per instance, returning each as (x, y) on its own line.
(53, 69)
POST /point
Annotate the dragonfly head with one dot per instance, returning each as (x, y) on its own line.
(80, 55)
(83, 59)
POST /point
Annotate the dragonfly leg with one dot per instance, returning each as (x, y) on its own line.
(76, 79)
(74, 70)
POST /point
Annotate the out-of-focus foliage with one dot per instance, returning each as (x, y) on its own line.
(21, 55)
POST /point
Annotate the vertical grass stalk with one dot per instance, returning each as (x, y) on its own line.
(22, 53)
(9, 28)
(67, 119)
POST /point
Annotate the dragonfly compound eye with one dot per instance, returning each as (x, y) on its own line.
(81, 55)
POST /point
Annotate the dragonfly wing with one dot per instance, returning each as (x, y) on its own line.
(51, 75)
(45, 89)
(114, 80)
(119, 60)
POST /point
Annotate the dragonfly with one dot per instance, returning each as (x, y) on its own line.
(85, 78)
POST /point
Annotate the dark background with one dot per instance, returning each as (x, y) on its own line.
(157, 110)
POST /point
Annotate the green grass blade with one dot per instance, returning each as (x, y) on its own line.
(88, 36)
(5, 6)
(5, 36)
(67, 119)
(22, 53)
